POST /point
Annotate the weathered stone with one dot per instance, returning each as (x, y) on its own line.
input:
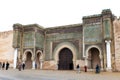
(6, 49)
(116, 25)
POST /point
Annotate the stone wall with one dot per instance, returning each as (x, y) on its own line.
(6, 50)
(49, 65)
(116, 25)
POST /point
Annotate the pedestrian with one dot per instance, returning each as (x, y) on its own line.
(7, 66)
(35, 65)
(23, 65)
(19, 66)
(3, 65)
(0, 65)
(85, 67)
(97, 69)
(78, 68)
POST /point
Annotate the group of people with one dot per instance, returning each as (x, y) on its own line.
(21, 66)
(97, 69)
(4, 65)
(78, 68)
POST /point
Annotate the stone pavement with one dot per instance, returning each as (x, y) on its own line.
(14, 74)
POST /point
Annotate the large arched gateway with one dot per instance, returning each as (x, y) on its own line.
(64, 47)
(65, 54)
(65, 59)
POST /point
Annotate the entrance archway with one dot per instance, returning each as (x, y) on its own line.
(65, 59)
(38, 61)
(93, 58)
(61, 46)
(28, 62)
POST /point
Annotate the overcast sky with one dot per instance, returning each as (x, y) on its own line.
(49, 13)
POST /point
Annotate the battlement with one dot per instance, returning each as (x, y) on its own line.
(5, 34)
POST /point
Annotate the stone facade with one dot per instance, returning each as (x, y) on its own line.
(6, 49)
(116, 25)
(63, 47)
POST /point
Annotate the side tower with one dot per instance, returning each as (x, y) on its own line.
(108, 38)
(28, 41)
(98, 40)
(17, 31)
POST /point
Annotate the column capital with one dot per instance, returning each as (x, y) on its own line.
(107, 41)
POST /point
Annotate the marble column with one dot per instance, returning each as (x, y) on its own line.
(86, 61)
(41, 64)
(108, 51)
(33, 64)
(15, 58)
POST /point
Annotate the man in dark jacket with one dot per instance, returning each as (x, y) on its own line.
(7, 66)
(97, 69)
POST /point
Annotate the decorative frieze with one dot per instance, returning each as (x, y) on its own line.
(65, 29)
(29, 29)
(5, 34)
(92, 20)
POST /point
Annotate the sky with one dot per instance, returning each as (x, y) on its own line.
(50, 13)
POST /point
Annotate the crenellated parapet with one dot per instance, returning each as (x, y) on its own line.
(5, 34)
(92, 19)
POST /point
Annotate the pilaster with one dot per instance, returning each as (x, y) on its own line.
(15, 58)
(108, 52)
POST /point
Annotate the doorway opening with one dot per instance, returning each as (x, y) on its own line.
(65, 59)
(93, 58)
(28, 62)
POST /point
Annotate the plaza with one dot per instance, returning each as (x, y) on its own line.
(14, 74)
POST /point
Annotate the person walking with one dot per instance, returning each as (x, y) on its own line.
(85, 67)
(19, 66)
(23, 65)
(35, 65)
(78, 68)
(3, 65)
(0, 65)
(7, 66)
(97, 69)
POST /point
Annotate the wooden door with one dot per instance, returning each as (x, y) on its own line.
(65, 59)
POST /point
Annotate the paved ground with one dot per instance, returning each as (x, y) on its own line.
(14, 74)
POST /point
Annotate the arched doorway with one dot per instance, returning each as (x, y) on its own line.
(93, 58)
(28, 62)
(38, 60)
(65, 59)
